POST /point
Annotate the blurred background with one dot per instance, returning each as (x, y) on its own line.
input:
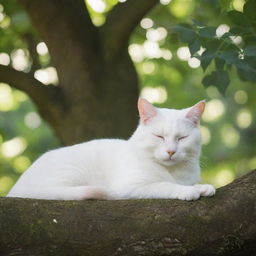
(169, 77)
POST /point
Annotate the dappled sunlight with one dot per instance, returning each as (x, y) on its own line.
(183, 53)
(13, 147)
(21, 163)
(6, 183)
(223, 177)
(206, 135)
(213, 111)
(229, 135)
(194, 62)
(4, 59)
(154, 94)
(244, 118)
(7, 99)
(220, 175)
(148, 67)
(20, 60)
(241, 97)
(212, 92)
(238, 4)
(41, 48)
(156, 35)
(222, 29)
(146, 23)
(32, 120)
(97, 5)
(165, 2)
(47, 75)
(182, 9)
(150, 50)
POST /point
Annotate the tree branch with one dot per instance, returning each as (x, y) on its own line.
(221, 225)
(121, 21)
(47, 98)
(31, 43)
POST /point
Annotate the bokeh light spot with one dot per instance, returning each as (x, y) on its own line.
(146, 23)
(206, 135)
(5, 184)
(41, 48)
(241, 97)
(183, 53)
(230, 136)
(7, 100)
(244, 118)
(223, 177)
(4, 59)
(21, 163)
(32, 120)
(13, 147)
(214, 110)
(154, 94)
(47, 75)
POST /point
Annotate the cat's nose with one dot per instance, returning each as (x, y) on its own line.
(171, 152)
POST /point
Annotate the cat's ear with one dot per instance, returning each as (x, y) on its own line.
(146, 110)
(194, 114)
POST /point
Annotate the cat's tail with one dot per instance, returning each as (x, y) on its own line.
(65, 193)
(97, 192)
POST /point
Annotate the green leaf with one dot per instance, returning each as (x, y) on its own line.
(250, 50)
(208, 32)
(250, 10)
(225, 4)
(247, 75)
(238, 18)
(187, 35)
(198, 23)
(194, 46)
(219, 63)
(230, 56)
(219, 78)
(206, 58)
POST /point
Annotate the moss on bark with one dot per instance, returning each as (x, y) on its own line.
(221, 225)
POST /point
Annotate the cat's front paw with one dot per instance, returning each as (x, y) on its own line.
(189, 193)
(206, 189)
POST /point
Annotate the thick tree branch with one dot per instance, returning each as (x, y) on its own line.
(49, 99)
(31, 43)
(221, 225)
(121, 21)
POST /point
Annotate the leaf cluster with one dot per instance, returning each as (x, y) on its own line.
(235, 48)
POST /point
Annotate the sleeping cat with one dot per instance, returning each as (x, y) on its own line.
(160, 160)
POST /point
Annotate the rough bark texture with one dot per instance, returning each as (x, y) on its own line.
(221, 225)
(98, 83)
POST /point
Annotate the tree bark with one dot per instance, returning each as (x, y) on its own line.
(221, 225)
(98, 84)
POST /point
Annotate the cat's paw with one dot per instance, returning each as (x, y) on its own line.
(206, 189)
(189, 193)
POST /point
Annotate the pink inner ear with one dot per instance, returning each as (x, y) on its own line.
(146, 110)
(196, 112)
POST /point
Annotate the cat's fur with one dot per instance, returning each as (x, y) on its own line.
(160, 160)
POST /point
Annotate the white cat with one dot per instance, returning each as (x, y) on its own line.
(160, 160)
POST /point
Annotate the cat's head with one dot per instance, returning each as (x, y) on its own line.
(171, 136)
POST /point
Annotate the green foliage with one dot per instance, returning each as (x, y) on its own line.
(225, 49)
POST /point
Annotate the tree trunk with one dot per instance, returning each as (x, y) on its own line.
(221, 225)
(98, 86)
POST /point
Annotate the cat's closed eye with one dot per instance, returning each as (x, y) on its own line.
(159, 136)
(182, 138)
